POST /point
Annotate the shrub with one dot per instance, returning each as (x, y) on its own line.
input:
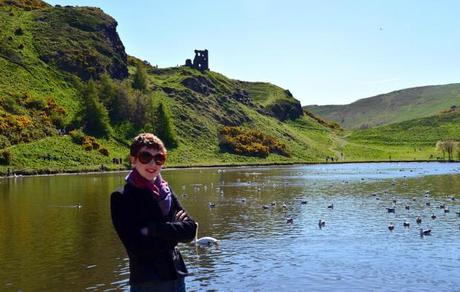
(329, 124)
(96, 145)
(57, 120)
(88, 143)
(94, 115)
(164, 127)
(4, 142)
(77, 136)
(140, 78)
(249, 142)
(23, 121)
(19, 31)
(447, 146)
(32, 102)
(10, 104)
(104, 151)
(6, 157)
(88, 147)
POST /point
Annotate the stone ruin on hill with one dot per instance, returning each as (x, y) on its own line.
(200, 61)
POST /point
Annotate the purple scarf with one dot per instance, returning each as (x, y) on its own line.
(159, 189)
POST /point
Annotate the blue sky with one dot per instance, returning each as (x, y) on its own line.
(324, 52)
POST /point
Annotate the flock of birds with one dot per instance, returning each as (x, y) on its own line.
(209, 241)
(418, 219)
(290, 220)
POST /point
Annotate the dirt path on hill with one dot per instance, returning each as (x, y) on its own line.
(337, 146)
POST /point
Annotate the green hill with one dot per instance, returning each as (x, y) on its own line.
(417, 132)
(71, 99)
(50, 106)
(409, 140)
(394, 107)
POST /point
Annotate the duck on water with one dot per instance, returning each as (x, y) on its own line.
(204, 241)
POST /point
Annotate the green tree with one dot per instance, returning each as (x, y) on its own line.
(95, 118)
(142, 111)
(164, 127)
(6, 157)
(121, 105)
(440, 146)
(447, 146)
(140, 78)
(106, 90)
(457, 147)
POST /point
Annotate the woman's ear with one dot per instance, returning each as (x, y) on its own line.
(132, 159)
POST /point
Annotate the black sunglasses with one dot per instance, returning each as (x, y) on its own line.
(146, 157)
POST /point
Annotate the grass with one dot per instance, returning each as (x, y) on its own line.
(200, 103)
(418, 132)
(393, 107)
(378, 152)
(22, 71)
(60, 153)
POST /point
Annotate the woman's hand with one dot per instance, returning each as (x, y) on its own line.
(181, 216)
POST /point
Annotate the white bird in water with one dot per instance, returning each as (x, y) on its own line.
(204, 241)
(425, 232)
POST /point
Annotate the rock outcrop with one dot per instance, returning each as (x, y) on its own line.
(81, 41)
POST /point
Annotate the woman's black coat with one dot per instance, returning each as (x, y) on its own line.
(153, 257)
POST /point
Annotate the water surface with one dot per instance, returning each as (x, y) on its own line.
(56, 233)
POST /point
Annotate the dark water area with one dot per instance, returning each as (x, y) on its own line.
(56, 233)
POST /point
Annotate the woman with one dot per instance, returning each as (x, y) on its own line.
(150, 220)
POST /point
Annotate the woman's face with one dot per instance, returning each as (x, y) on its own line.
(148, 170)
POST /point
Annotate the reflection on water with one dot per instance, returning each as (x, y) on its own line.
(56, 233)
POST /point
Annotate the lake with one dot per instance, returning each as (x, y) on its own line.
(56, 233)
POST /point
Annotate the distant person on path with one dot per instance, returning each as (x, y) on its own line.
(150, 220)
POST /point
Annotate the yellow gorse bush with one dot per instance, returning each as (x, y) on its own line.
(249, 142)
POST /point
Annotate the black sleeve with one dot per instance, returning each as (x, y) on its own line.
(179, 231)
(129, 233)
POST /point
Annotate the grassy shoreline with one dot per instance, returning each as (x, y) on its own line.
(113, 169)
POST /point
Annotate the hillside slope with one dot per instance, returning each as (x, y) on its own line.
(393, 107)
(424, 131)
(47, 56)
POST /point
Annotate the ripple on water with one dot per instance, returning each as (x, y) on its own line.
(355, 251)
